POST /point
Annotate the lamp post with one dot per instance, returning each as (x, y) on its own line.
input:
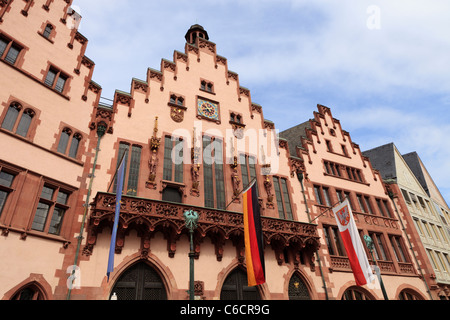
(369, 244)
(191, 218)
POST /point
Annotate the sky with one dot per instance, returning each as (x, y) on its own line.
(383, 67)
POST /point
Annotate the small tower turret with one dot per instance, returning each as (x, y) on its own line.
(194, 32)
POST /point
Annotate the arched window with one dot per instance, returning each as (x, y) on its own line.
(69, 143)
(11, 116)
(76, 139)
(356, 293)
(140, 282)
(298, 289)
(409, 294)
(236, 287)
(25, 122)
(18, 119)
(30, 292)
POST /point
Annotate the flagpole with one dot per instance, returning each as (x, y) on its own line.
(237, 197)
(100, 133)
(117, 169)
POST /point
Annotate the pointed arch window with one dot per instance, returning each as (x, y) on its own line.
(235, 287)
(30, 292)
(18, 119)
(69, 143)
(298, 289)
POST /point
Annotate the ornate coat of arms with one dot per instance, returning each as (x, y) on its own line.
(343, 216)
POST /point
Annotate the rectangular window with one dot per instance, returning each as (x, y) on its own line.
(386, 207)
(9, 51)
(283, 200)
(3, 45)
(248, 169)
(360, 202)
(132, 167)
(322, 196)
(379, 248)
(12, 55)
(56, 80)
(50, 79)
(287, 201)
(173, 160)
(60, 83)
(318, 195)
(52, 202)
(367, 202)
(6, 180)
(328, 241)
(213, 173)
(337, 241)
(397, 245)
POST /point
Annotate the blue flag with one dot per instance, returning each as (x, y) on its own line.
(112, 248)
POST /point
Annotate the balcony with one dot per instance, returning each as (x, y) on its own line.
(149, 216)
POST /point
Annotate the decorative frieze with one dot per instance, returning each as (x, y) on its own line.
(218, 224)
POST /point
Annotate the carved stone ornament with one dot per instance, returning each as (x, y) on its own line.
(177, 114)
(150, 216)
(153, 162)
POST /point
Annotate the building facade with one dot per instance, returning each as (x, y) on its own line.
(335, 170)
(45, 76)
(192, 139)
(425, 219)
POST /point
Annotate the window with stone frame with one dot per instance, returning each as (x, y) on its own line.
(173, 160)
(399, 248)
(334, 241)
(51, 209)
(18, 119)
(6, 181)
(282, 197)
(214, 185)
(56, 79)
(9, 50)
(380, 249)
(69, 143)
(248, 169)
(322, 195)
(132, 154)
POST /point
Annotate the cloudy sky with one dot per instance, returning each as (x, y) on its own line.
(383, 67)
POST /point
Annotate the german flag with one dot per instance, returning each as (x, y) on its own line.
(254, 247)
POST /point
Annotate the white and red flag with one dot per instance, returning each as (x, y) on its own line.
(353, 244)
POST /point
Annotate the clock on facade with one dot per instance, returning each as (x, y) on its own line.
(208, 109)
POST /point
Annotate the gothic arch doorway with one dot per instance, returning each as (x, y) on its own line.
(140, 282)
(236, 287)
(298, 290)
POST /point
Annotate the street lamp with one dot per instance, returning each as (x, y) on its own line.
(370, 246)
(191, 218)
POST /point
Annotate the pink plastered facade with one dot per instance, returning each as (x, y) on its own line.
(61, 145)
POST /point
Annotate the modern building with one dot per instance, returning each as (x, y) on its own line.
(425, 212)
(335, 170)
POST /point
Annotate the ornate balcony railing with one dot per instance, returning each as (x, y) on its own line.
(153, 215)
